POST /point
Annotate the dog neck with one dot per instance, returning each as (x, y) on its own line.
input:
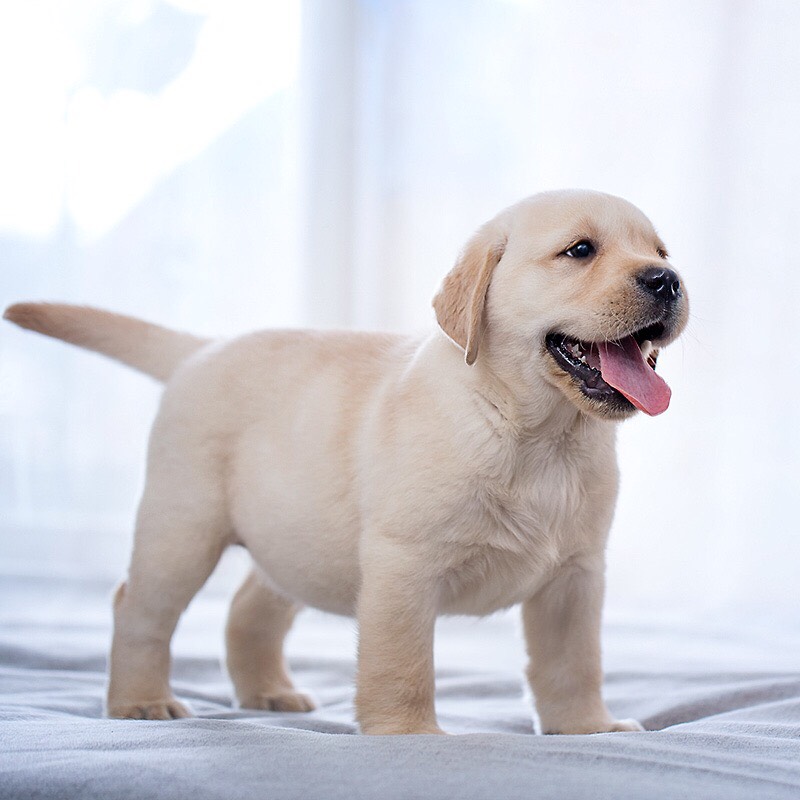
(530, 406)
(516, 400)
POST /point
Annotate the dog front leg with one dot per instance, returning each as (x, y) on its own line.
(396, 619)
(562, 631)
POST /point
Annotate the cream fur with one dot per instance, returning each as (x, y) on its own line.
(389, 477)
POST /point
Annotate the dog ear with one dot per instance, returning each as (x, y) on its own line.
(460, 301)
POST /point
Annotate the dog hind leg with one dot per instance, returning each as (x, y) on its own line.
(180, 535)
(258, 622)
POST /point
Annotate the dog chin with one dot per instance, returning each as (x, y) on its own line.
(612, 408)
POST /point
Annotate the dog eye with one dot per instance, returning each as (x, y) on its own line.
(662, 253)
(582, 249)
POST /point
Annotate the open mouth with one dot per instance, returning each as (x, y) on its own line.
(615, 373)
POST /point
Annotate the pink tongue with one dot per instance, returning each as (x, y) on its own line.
(624, 367)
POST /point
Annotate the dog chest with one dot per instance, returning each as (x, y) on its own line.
(512, 533)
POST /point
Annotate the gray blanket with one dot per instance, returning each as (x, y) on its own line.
(721, 704)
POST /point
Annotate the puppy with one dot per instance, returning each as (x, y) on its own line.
(396, 478)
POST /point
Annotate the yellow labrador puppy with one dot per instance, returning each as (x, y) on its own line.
(397, 478)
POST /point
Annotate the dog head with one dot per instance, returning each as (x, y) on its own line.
(576, 287)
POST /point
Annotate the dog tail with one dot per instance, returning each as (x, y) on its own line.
(149, 348)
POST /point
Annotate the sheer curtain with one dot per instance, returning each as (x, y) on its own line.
(222, 166)
(150, 165)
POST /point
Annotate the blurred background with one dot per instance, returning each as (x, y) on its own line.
(219, 165)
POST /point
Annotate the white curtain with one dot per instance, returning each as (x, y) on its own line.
(222, 166)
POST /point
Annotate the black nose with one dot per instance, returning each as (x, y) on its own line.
(660, 282)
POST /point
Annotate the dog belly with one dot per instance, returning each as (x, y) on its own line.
(304, 543)
(311, 575)
(291, 482)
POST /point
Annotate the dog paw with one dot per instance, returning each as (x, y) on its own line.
(620, 725)
(165, 709)
(285, 701)
(400, 729)
(604, 726)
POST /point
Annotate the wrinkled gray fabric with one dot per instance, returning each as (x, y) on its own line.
(723, 706)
